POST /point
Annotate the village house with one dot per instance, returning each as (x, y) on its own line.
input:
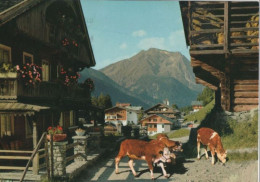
(43, 46)
(123, 115)
(158, 123)
(165, 110)
(196, 105)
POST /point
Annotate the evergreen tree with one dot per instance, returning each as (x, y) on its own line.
(206, 96)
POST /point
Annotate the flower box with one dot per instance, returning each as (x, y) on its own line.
(57, 137)
(8, 75)
(80, 133)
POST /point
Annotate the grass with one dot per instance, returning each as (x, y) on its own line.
(201, 114)
(238, 157)
(244, 135)
(176, 134)
(179, 133)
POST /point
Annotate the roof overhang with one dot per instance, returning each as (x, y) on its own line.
(21, 108)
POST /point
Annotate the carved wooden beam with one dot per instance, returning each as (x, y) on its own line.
(206, 76)
(200, 81)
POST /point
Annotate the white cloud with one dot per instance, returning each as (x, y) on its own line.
(153, 42)
(176, 38)
(139, 33)
(177, 42)
(123, 46)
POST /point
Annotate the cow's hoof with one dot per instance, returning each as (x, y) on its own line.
(198, 159)
(167, 176)
(116, 172)
(153, 178)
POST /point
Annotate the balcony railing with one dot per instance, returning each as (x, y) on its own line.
(223, 27)
(13, 88)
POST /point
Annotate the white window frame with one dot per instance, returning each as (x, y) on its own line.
(28, 55)
(72, 123)
(7, 48)
(45, 70)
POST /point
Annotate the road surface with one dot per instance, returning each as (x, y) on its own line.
(191, 170)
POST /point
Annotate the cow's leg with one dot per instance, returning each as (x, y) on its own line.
(198, 149)
(150, 166)
(163, 170)
(212, 150)
(130, 163)
(206, 152)
(117, 160)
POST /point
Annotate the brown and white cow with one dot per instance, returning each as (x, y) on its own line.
(210, 138)
(151, 152)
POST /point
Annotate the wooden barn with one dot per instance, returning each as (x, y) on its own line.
(43, 46)
(223, 38)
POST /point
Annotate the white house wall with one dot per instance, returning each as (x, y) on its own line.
(167, 128)
(160, 128)
(132, 117)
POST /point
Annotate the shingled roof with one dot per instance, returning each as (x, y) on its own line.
(5, 4)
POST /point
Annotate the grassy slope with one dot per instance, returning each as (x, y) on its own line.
(176, 134)
(244, 134)
(201, 114)
(234, 135)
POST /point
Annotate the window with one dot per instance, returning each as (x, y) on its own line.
(27, 58)
(155, 120)
(67, 119)
(155, 126)
(6, 125)
(5, 54)
(28, 128)
(162, 125)
(45, 70)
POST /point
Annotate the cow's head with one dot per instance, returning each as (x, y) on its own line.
(166, 155)
(177, 146)
(222, 156)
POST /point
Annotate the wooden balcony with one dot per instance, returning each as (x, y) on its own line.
(221, 27)
(11, 88)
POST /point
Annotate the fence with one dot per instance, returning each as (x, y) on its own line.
(50, 157)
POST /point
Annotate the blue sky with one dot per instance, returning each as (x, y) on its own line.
(121, 29)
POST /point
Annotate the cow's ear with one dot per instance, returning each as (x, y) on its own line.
(161, 152)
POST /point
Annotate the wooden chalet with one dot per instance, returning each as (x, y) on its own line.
(158, 123)
(48, 41)
(223, 38)
(196, 105)
(165, 110)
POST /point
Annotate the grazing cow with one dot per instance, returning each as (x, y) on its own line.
(151, 152)
(172, 145)
(210, 138)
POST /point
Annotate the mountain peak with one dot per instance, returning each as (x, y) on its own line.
(156, 67)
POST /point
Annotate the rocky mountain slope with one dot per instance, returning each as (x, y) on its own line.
(156, 75)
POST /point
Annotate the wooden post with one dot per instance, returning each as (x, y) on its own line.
(35, 140)
(51, 151)
(226, 28)
(47, 157)
(190, 21)
(218, 98)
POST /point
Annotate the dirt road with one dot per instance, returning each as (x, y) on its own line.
(191, 170)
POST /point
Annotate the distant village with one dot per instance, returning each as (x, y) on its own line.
(160, 118)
